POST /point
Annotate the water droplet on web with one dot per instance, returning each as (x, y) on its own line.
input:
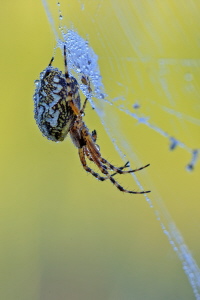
(60, 17)
(101, 96)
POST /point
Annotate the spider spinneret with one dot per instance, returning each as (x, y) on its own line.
(57, 108)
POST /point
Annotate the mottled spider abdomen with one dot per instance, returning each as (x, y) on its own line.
(53, 113)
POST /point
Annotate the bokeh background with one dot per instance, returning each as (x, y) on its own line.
(63, 234)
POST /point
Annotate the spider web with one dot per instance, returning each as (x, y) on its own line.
(83, 61)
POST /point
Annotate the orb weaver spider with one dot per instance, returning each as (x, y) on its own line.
(57, 108)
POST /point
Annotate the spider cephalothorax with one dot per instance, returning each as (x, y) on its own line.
(58, 111)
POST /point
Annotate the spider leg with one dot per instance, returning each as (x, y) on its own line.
(65, 61)
(105, 162)
(51, 62)
(85, 166)
(94, 135)
(85, 80)
(49, 65)
(96, 159)
(84, 106)
(74, 108)
(86, 152)
(77, 112)
(125, 166)
(89, 170)
(119, 170)
(95, 149)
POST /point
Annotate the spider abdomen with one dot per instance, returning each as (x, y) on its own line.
(53, 113)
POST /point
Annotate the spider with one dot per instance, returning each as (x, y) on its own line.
(57, 108)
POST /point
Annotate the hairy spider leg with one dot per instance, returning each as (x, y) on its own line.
(85, 80)
(94, 135)
(85, 166)
(127, 164)
(121, 168)
(118, 170)
(105, 178)
(49, 65)
(74, 108)
(89, 170)
(95, 154)
(65, 62)
(84, 106)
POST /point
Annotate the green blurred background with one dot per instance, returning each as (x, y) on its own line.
(63, 234)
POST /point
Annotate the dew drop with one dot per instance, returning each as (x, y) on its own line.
(101, 96)
(36, 82)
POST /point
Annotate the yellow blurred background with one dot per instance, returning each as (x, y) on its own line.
(65, 235)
